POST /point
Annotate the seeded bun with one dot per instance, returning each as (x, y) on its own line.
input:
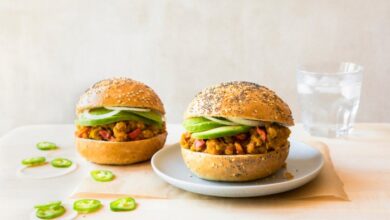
(234, 168)
(119, 153)
(241, 99)
(118, 92)
(114, 93)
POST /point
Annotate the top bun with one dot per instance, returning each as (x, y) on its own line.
(241, 99)
(120, 92)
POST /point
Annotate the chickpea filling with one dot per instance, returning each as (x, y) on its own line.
(258, 140)
(120, 131)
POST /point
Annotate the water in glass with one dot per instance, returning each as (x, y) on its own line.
(329, 101)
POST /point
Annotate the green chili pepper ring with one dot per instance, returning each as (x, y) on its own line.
(102, 175)
(45, 145)
(123, 204)
(87, 205)
(61, 163)
(50, 212)
(46, 205)
(34, 161)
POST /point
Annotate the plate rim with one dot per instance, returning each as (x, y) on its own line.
(306, 178)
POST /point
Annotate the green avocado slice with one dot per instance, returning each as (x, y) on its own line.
(99, 111)
(198, 124)
(195, 120)
(121, 116)
(150, 115)
(221, 132)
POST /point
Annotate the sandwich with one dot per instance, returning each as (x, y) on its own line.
(236, 131)
(119, 121)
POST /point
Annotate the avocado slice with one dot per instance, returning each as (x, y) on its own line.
(99, 111)
(198, 124)
(121, 116)
(221, 132)
(195, 120)
(150, 115)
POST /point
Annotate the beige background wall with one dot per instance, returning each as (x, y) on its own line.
(51, 51)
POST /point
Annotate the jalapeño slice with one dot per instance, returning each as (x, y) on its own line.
(87, 205)
(50, 212)
(46, 145)
(61, 163)
(102, 175)
(123, 204)
(34, 161)
(46, 205)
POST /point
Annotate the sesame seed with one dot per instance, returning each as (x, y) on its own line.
(229, 97)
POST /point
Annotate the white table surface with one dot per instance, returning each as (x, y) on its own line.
(362, 161)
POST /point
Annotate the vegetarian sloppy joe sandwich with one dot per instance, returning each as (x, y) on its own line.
(119, 121)
(236, 131)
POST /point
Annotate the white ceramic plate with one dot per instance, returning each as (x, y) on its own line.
(303, 162)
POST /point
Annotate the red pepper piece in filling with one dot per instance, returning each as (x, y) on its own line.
(83, 132)
(199, 144)
(134, 134)
(262, 134)
(241, 136)
(104, 134)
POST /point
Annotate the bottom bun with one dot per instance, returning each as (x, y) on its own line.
(119, 153)
(234, 168)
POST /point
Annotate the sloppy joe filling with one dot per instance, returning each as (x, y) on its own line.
(258, 140)
(120, 131)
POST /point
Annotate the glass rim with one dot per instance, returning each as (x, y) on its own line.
(305, 68)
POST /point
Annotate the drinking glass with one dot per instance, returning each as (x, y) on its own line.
(329, 96)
